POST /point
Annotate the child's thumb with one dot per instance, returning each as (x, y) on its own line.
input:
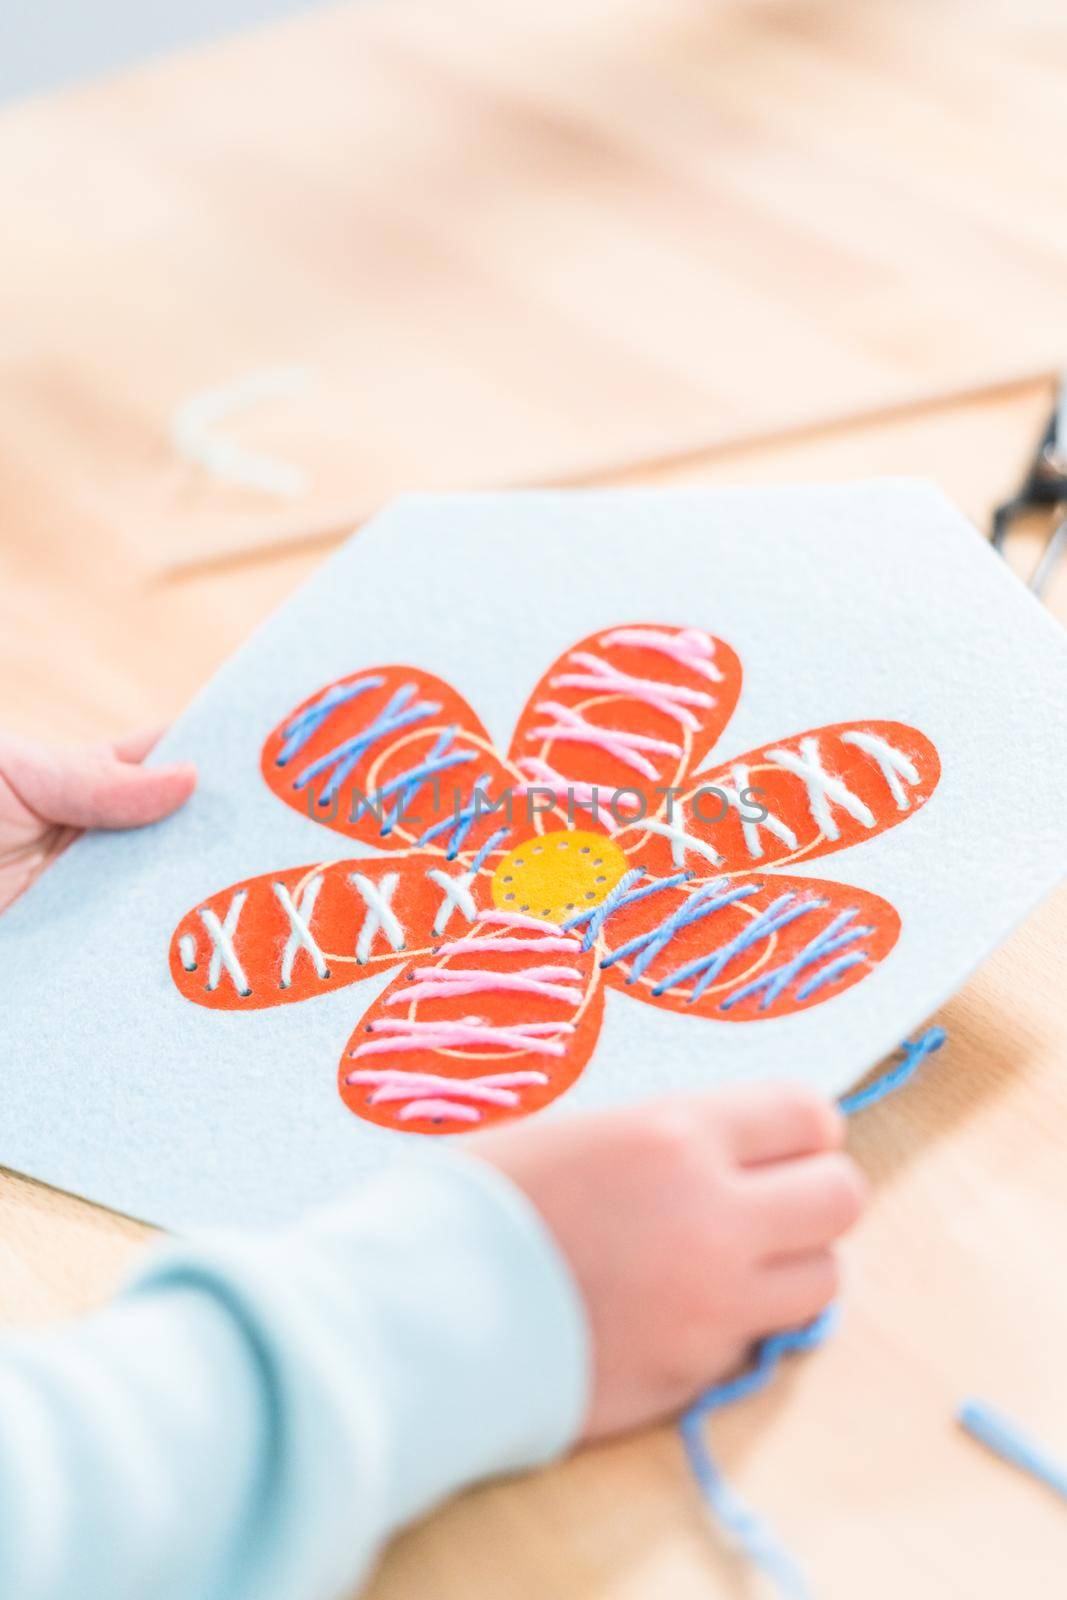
(116, 794)
(90, 789)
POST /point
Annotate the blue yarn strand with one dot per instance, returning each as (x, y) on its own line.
(1007, 1440)
(740, 1524)
(914, 1053)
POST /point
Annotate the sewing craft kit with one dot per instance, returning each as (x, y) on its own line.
(535, 802)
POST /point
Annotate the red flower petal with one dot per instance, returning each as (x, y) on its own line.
(386, 741)
(757, 946)
(627, 708)
(291, 935)
(491, 1027)
(818, 791)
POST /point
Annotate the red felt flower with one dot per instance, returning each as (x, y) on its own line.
(512, 890)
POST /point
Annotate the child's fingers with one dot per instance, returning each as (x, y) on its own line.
(135, 746)
(790, 1293)
(109, 793)
(84, 789)
(773, 1122)
(800, 1206)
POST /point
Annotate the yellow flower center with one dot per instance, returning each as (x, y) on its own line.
(557, 875)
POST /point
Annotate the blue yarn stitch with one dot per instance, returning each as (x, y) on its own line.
(712, 897)
(831, 971)
(1007, 1440)
(779, 914)
(645, 947)
(707, 967)
(833, 937)
(753, 1537)
(623, 894)
(463, 820)
(312, 717)
(410, 781)
(343, 757)
(490, 844)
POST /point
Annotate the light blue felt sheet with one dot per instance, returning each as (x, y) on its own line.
(872, 601)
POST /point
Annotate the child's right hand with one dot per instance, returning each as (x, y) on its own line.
(693, 1226)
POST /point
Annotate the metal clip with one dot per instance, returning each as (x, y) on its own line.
(1044, 487)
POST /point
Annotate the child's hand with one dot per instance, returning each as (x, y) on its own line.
(47, 796)
(693, 1226)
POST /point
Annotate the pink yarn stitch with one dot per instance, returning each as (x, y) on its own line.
(572, 728)
(412, 1033)
(439, 1108)
(516, 919)
(585, 796)
(436, 983)
(670, 698)
(690, 648)
(393, 1083)
(504, 946)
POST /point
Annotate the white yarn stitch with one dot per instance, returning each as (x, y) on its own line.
(824, 789)
(681, 841)
(300, 937)
(224, 953)
(380, 915)
(750, 826)
(892, 763)
(456, 895)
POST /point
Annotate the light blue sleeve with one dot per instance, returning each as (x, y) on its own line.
(253, 1416)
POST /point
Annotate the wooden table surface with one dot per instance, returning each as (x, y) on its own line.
(522, 243)
(954, 1283)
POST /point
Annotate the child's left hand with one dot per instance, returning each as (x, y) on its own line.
(48, 796)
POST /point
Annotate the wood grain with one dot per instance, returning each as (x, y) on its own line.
(518, 244)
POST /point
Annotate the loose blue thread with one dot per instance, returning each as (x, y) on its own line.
(739, 1523)
(913, 1054)
(742, 1526)
(1007, 1440)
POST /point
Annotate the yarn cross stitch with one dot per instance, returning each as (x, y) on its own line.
(598, 853)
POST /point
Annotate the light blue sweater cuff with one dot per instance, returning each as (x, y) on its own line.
(255, 1415)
